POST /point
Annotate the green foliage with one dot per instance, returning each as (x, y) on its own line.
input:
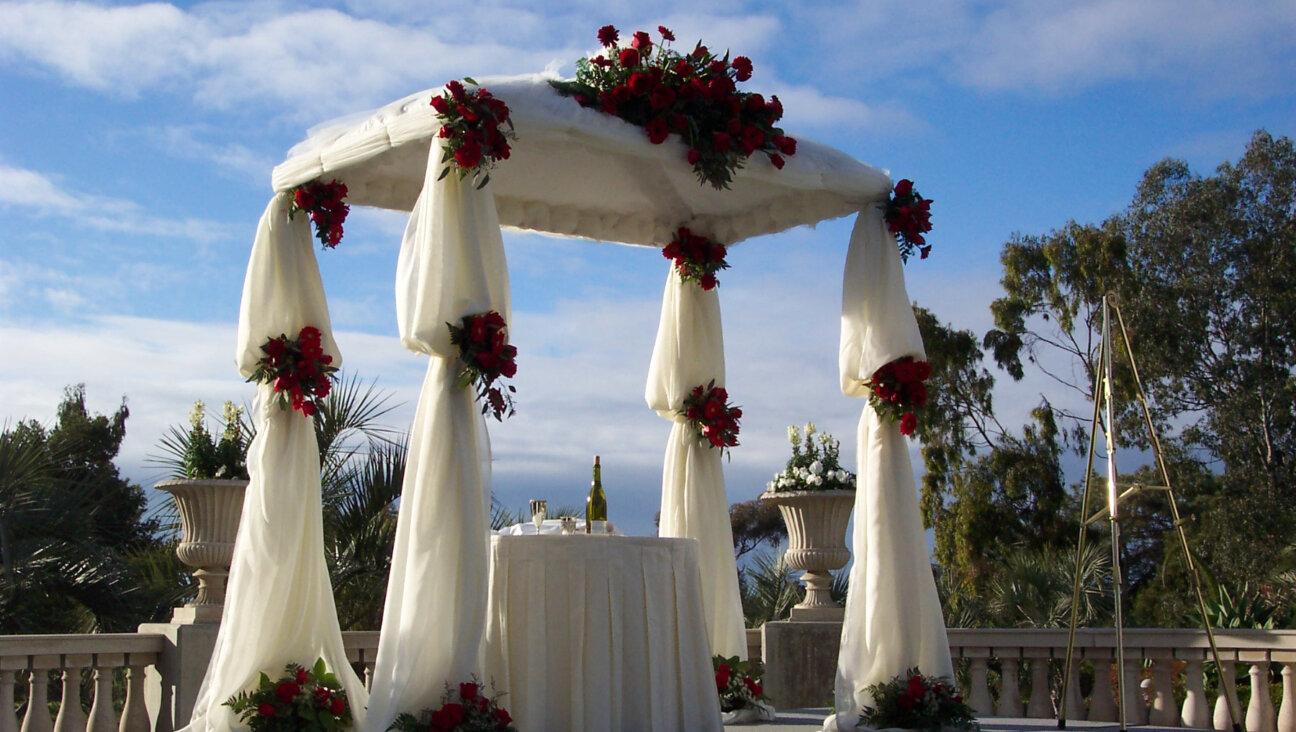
(196, 454)
(755, 523)
(769, 588)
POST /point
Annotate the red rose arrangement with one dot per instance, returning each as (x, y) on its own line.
(694, 96)
(298, 369)
(469, 710)
(325, 204)
(914, 701)
(696, 258)
(485, 351)
(898, 391)
(302, 700)
(738, 682)
(471, 123)
(708, 410)
(908, 216)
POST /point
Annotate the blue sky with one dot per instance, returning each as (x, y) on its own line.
(137, 143)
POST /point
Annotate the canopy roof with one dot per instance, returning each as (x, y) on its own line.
(577, 172)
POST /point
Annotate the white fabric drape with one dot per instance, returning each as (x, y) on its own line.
(893, 615)
(279, 605)
(689, 351)
(451, 264)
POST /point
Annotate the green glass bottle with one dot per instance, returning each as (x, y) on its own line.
(596, 506)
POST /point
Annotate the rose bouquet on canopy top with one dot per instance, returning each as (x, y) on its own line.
(484, 349)
(471, 125)
(707, 410)
(694, 96)
(696, 258)
(298, 369)
(815, 464)
(302, 700)
(908, 216)
(324, 202)
(897, 391)
(468, 710)
(914, 701)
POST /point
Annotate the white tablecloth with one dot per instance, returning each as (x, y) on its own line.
(600, 633)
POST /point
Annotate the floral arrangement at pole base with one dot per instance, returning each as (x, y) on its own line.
(324, 202)
(468, 710)
(815, 464)
(471, 127)
(298, 369)
(916, 702)
(742, 697)
(694, 96)
(898, 392)
(484, 349)
(303, 700)
(696, 258)
(708, 411)
(908, 216)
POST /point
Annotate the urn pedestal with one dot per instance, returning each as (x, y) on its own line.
(209, 517)
(816, 523)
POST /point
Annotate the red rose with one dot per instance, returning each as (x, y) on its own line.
(440, 105)
(448, 716)
(753, 136)
(788, 146)
(322, 695)
(905, 702)
(628, 58)
(663, 97)
(337, 706)
(719, 394)
(456, 90)
(508, 369)
(608, 36)
(908, 423)
(303, 199)
(287, 691)
(502, 718)
(657, 130)
(308, 408)
(743, 66)
(904, 187)
(777, 160)
(487, 360)
(266, 709)
(639, 83)
(721, 142)
(700, 51)
(694, 156)
(642, 42)
(468, 691)
(708, 282)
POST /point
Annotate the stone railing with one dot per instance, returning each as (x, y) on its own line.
(32, 661)
(1156, 663)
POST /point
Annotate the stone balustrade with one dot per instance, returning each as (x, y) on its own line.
(1155, 663)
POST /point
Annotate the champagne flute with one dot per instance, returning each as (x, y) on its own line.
(539, 509)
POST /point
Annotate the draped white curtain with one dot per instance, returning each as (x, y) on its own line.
(451, 264)
(689, 352)
(893, 616)
(279, 602)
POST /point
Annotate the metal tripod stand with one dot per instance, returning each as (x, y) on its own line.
(1103, 398)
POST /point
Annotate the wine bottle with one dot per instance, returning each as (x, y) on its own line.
(596, 506)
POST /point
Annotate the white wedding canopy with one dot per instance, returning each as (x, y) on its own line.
(573, 172)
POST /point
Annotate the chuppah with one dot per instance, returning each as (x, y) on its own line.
(646, 147)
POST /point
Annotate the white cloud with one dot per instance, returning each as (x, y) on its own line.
(42, 196)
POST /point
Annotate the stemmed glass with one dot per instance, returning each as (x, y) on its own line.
(538, 511)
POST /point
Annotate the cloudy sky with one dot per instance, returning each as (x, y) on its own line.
(137, 142)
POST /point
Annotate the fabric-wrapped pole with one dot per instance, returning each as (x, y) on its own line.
(279, 605)
(451, 264)
(893, 615)
(689, 352)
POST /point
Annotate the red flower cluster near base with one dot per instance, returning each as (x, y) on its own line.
(471, 126)
(324, 203)
(303, 700)
(469, 710)
(738, 682)
(298, 369)
(707, 409)
(696, 258)
(908, 216)
(914, 701)
(485, 351)
(694, 96)
(898, 391)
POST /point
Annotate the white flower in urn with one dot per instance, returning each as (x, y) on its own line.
(816, 468)
(814, 464)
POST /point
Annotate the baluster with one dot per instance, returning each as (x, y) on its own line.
(1010, 703)
(1074, 701)
(1260, 709)
(102, 717)
(1228, 685)
(37, 718)
(1040, 705)
(1135, 703)
(70, 717)
(979, 694)
(1196, 712)
(1102, 703)
(8, 719)
(1287, 714)
(134, 716)
(1163, 713)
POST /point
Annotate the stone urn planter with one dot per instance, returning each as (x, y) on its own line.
(816, 523)
(209, 517)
